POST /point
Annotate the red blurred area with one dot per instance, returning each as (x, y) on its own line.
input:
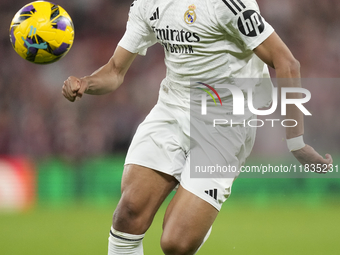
(17, 183)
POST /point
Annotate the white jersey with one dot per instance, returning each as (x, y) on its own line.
(202, 39)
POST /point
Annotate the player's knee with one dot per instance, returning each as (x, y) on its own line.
(173, 245)
(130, 216)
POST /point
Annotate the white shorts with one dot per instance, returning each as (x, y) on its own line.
(162, 143)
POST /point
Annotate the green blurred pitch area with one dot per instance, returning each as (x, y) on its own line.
(75, 201)
(242, 227)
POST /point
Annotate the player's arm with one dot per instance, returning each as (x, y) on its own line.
(106, 79)
(277, 55)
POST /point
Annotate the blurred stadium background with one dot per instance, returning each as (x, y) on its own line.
(61, 162)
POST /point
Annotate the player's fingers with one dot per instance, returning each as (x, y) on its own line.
(329, 156)
(67, 90)
(74, 83)
(82, 89)
(68, 94)
(324, 160)
(329, 159)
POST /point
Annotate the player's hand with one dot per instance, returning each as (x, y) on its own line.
(308, 156)
(74, 88)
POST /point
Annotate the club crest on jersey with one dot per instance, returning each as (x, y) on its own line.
(190, 15)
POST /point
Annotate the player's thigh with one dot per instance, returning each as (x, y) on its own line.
(186, 222)
(143, 191)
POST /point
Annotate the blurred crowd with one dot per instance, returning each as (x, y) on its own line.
(36, 120)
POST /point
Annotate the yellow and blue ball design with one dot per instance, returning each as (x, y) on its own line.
(42, 32)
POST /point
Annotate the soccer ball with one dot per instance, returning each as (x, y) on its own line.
(41, 32)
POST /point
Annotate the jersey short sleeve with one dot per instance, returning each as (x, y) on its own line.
(242, 20)
(138, 35)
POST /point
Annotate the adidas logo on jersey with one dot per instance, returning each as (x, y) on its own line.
(235, 7)
(155, 15)
(212, 193)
